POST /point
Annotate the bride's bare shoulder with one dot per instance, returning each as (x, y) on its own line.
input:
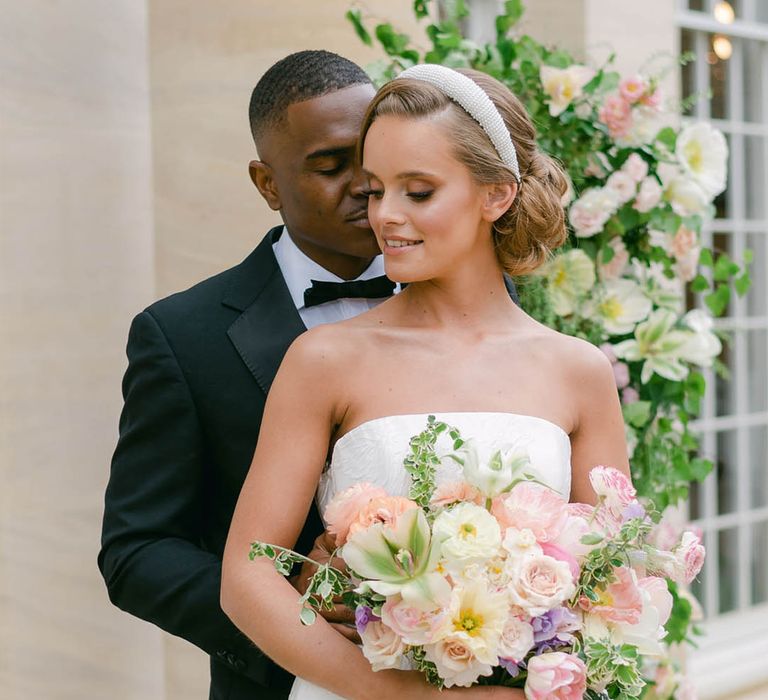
(327, 348)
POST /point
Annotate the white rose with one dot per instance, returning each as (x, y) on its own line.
(382, 646)
(703, 153)
(516, 639)
(589, 212)
(624, 186)
(685, 196)
(540, 583)
(648, 196)
(455, 662)
(467, 533)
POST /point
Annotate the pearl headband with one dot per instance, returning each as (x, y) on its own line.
(474, 101)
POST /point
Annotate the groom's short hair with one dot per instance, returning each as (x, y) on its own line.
(298, 77)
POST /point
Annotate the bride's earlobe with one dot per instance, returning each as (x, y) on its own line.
(498, 200)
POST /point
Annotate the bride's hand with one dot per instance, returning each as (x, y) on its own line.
(341, 617)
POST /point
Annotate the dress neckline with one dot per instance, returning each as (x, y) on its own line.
(371, 421)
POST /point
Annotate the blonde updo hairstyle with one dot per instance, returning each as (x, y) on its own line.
(534, 225)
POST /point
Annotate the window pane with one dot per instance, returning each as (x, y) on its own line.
(724, 201)
(696, 493)
(727, 472)
(759, 563)
(757, 367)
(688, 71)
(752, 81)
(725, 389)
(758, 468)
(754, 162)
(757, 296)
(728, 566)
(718, 81)
(697, 5)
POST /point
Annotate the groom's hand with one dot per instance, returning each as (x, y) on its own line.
(341, 617)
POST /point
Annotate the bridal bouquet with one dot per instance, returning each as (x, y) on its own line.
(495, 578)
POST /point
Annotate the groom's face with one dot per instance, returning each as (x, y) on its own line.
(309, 173)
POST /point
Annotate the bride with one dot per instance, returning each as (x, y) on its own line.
(459, 194)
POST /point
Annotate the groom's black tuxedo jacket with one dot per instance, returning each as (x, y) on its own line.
(200, 364)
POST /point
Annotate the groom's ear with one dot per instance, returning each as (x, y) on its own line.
(262, 177)
(498, 199)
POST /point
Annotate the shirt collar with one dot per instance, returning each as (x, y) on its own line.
(298, 269)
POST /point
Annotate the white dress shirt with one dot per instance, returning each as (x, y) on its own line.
(299, 271)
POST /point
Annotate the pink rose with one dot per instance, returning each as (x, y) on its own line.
(648, 196)
(632, 89)
(690, 555)
(454, 492)
(620, 601)
(615, 267)
(556, 676)
(683, 242)
(616, 114)
(413, 625)
(652, 99)
(539, 583)
(560, 553)
(589, 212)
(533, 506)
(607, 350)
(623, 185)
(345, 507)
(384, 510)
(629, 395)
(636, 167)
(382, 646)
(688, 266)
(621, 374)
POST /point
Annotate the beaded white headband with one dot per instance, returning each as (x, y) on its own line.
(474, 101)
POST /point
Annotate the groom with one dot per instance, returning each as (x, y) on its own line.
(200, 364)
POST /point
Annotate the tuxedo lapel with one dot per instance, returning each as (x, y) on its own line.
(269, 322)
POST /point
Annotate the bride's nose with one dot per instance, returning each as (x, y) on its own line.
(385, 212)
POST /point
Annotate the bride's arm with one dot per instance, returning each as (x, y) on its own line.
(303, 406)
(598, 437)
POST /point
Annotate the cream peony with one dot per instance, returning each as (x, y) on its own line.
(571, 275)
(703, 153)
(467, 533)
(564, 85)
(382, 646)
(540, 583)
(623, 185)
(620, 304)
(589, 212)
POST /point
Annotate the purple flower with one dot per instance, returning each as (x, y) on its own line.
(511, 666)
(632, 510)
(554, 626)
(364, 615)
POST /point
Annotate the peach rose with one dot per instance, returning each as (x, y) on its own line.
(382, 646)
(455, 492)
(556, 676)
(345, 507)
(620, 601)
(384, 510)
(539, 583)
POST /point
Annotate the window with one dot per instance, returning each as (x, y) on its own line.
(730, 76)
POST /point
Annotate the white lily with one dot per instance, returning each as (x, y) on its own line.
(564, 85)
(620, 304)
(658, 345)
(494, 475)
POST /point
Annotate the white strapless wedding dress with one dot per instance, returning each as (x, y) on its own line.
(374, 452)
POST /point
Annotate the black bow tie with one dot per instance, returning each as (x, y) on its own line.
(375, 288)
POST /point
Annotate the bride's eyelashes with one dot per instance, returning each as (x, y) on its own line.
(417, 196)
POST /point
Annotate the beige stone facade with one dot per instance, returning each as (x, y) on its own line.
(124, 146)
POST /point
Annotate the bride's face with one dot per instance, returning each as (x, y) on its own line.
(429, 216)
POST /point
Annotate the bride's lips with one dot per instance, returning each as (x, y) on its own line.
(400, 246)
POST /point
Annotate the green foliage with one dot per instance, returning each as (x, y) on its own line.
(617, 666)
(422, 462)
(326, 583)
